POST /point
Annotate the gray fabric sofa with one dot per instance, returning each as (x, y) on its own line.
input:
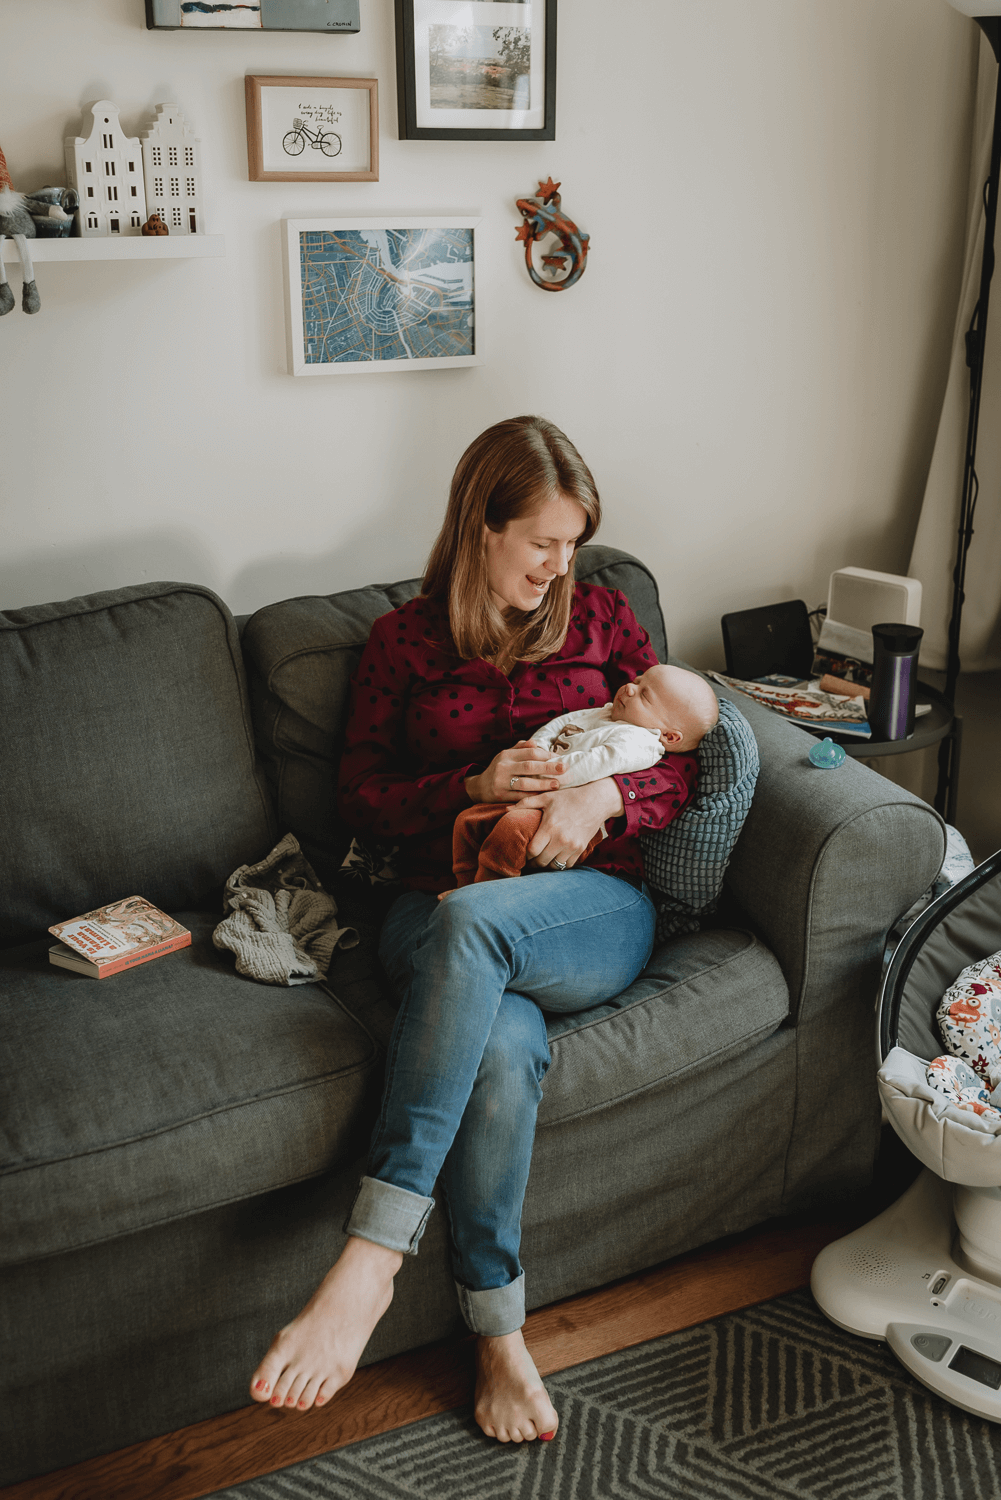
(179, 1145)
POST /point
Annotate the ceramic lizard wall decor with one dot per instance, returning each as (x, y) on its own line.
(541, 215)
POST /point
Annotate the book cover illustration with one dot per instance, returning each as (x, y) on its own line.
(120, 932)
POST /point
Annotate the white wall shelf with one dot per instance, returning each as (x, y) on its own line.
(129, 247)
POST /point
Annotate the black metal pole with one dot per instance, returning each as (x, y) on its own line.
(976, 339)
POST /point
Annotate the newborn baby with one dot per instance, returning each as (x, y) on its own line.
(665, 708)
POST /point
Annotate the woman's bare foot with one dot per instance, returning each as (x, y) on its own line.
(316, 1354)
(511, 1401)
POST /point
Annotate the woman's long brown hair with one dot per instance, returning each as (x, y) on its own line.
(506, 473)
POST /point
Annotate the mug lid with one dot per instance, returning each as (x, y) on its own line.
(898, 638)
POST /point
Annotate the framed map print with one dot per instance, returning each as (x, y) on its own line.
(312, 129)
(379, 294)
(476, 70)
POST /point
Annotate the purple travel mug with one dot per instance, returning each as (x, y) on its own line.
(894, 677)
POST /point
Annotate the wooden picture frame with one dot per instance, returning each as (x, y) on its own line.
(295, 124)
(373, 295)
(490, 78)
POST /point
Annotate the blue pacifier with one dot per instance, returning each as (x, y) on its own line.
(827, 755)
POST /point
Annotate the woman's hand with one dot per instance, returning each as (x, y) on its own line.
(570, 819)
(526, 765)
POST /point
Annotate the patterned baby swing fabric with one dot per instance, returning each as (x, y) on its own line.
(684, 863)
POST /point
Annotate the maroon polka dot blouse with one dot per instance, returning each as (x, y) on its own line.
(421, 720)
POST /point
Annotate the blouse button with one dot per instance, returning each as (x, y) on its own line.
(632, 796)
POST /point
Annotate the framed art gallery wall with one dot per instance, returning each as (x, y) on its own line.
(186, 450)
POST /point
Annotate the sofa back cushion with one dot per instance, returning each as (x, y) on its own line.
(127, 755)
(301, 655)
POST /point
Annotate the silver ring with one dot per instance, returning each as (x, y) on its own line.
(557, 865)
(513, 780)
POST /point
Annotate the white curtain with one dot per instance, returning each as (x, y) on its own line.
(934, 554)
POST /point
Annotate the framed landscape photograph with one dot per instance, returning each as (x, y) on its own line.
(385, 294)
(312, 129)
(476, 70)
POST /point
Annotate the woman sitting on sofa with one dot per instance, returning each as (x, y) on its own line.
(499, 641)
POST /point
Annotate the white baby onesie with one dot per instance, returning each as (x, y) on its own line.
(598, 747)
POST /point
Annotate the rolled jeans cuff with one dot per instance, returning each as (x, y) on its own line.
(499, 1310)
(388, 1215)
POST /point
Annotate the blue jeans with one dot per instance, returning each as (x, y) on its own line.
(468, 1053)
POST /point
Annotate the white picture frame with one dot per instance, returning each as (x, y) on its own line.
(361, 290)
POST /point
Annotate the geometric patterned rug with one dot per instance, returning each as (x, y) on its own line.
(772, 1403)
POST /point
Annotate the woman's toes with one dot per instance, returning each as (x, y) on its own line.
(327, 1389)
(262, 1382)
(308, 1394)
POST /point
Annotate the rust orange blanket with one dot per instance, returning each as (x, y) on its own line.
(490, 841)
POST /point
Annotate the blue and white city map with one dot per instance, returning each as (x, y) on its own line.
(380, 294)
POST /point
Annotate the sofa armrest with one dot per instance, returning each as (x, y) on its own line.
(826, 863)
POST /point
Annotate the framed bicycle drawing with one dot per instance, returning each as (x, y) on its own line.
(312, 129)
(476, 70)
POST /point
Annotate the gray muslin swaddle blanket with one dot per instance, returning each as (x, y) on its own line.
(282, 925)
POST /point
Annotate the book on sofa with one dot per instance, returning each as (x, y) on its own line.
(116, 937)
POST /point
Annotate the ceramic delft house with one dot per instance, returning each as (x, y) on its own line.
(172, 164)
(106, 168)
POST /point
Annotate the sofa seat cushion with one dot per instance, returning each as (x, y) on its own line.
(165, 1091)
(701, 1000)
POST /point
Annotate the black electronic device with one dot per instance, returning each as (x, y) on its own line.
(773, 639)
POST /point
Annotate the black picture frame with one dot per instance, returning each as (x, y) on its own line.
(406, 84)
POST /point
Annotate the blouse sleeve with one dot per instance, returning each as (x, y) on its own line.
(375, 793)
(650, 799)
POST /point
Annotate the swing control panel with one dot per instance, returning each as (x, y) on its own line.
(958, 1363)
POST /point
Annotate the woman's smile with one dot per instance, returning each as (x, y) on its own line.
(547, 536)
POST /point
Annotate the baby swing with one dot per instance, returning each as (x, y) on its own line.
(926, 1274)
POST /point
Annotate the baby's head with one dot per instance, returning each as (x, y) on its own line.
(678, 705)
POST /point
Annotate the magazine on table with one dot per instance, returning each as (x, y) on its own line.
(808, 705)
(805, 704)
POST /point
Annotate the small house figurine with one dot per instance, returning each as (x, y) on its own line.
(106, 169)
(172, 161)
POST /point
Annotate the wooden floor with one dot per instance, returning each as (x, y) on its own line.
(255, 1440)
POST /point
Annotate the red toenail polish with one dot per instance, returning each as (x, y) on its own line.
(276, 1400)
(547, 1437)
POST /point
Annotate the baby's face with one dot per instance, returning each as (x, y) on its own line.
(677, 705)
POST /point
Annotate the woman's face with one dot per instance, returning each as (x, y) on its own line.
(524, 558)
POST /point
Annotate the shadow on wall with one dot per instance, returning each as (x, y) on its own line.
(361, 557)
(51, 574)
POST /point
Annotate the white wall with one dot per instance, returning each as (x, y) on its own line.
(751, 364)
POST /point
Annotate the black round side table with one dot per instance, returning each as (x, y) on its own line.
(930, 729)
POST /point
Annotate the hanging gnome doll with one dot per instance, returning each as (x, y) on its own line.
(15, 220)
